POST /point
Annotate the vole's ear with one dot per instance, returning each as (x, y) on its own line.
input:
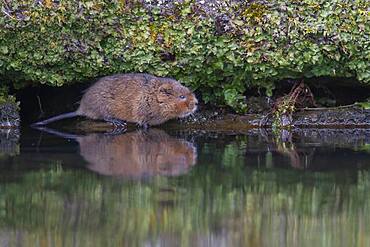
(166, 89)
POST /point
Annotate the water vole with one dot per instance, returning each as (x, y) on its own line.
(137, 98)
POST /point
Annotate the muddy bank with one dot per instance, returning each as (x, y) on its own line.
(219, 120)
(337, 117)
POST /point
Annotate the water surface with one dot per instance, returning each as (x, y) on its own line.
(186, 188)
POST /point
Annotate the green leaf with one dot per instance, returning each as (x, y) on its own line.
(4, 49)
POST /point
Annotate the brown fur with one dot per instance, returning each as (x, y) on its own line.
(138, 98)
(137, 154)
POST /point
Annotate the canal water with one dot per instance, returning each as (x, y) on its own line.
(185, 188)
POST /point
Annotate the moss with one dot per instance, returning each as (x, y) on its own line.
(255, 12)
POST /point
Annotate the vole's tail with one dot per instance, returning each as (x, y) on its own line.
(58, 133)
(56, 118)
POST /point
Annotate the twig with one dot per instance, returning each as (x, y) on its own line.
(328, 108)
(7, 14)
(40, 106)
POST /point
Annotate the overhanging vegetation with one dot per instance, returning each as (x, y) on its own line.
(221, 55)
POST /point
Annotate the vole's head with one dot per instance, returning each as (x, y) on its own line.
(175, 100)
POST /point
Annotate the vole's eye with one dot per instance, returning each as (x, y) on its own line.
(182, 97)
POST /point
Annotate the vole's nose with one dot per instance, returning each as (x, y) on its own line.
(195, 107)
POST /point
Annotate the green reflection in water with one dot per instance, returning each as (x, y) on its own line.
(230, 191)
(210, 206)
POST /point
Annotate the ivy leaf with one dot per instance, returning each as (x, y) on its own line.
(4, 49)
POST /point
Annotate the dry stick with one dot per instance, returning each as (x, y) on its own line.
(290, 99)
(40, 106)
(328, 108)
(8, 8)
(7, 14)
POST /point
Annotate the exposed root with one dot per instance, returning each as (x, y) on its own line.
(284, 107)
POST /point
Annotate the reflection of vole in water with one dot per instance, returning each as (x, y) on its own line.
(138, 98)
(135, 154)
